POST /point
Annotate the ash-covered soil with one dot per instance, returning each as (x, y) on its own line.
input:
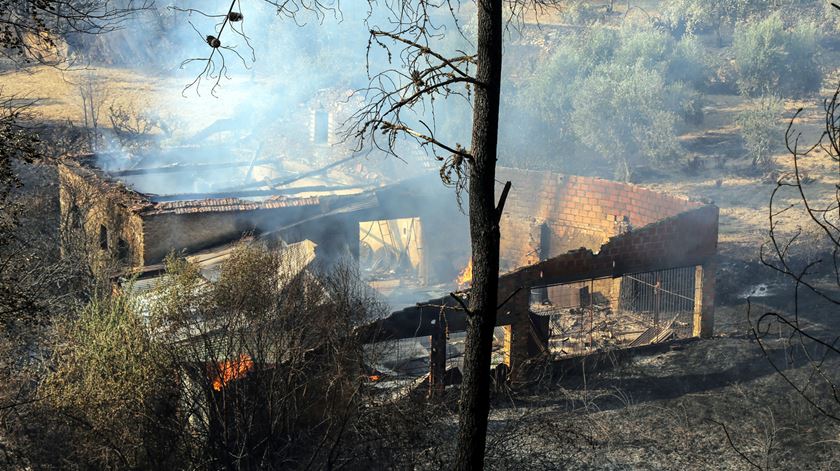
(672, 410)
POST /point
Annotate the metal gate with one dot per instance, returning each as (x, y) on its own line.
(664, 298)
(607, 313)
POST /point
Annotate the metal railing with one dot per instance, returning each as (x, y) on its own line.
(609, 313)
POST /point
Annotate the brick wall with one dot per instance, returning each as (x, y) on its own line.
(579, 211)
(687, 239)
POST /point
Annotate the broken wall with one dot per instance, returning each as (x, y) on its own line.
(192, 231)
(576, 211)
(89, 205)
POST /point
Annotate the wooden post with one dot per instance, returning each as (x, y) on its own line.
(423, 266)
(704, 300)
(516, 334)
(615, 294)
(437, 359)
(544, 253)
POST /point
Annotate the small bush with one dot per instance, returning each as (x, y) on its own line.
(761, 130)
(772, 59)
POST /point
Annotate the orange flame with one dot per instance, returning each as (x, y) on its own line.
(465, 277)
(230, 370)
(374, 378)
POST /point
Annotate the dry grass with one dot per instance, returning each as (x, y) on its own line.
(57, 91)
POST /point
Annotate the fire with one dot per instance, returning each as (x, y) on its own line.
(465, 277)
(374, 378)
(230, 370)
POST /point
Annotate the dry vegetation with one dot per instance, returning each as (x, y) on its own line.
(702, 405)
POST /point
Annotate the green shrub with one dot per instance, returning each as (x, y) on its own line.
(621, 93)
(549, 94)
(110, 391)
(689, 63)
(681, 61)
(647, 47)
(580, 13)
(761, 130)
(620, 112)
(772, 59)
(697, 16)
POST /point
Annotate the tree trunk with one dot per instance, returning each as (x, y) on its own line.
(484, 235)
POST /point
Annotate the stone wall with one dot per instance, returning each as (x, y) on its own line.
(88, 205)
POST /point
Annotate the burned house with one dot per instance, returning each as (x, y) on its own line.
(131, 229)
(587, 264)
(130, 225)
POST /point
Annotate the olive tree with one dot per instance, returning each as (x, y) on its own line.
(693, 16)
(621, 113)
(761, 129)
(622, 94)
(773, 58)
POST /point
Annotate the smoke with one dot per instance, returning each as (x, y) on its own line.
(276, 113)
(259, 104)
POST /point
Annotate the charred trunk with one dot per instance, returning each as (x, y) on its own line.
(484, 235)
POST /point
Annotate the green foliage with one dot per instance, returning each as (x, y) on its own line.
(580, 13)
(549, 94)
(695, 16)
(111, 386)
(648, 48)
(620, 112)
(597, 46)
(679, 61)
(770, 58)
(761, 129)
(620, 93)
(690, 63)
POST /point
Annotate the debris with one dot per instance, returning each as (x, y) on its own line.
(761, 290)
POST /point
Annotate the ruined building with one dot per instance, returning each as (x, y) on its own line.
(587, 264)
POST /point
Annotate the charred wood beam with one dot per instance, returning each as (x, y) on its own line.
(255, 193)
(420, 321)
(177, 168)
(277, 182)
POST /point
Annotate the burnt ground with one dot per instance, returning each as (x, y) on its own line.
(715, 404)
(699, 404)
